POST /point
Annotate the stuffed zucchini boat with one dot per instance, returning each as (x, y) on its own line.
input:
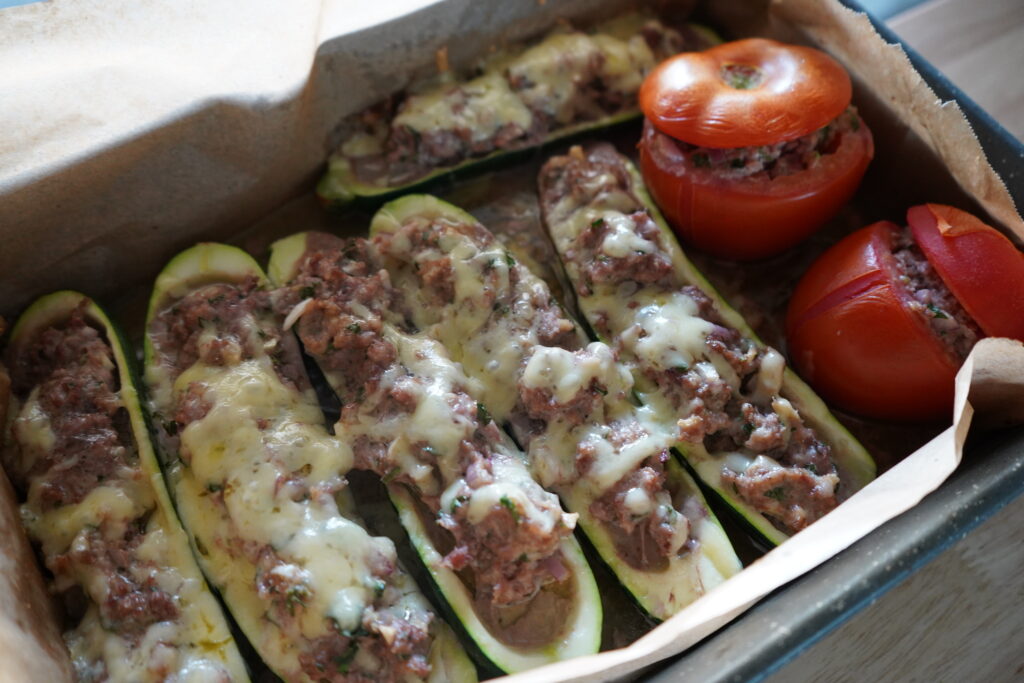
(78, 450)
(748, 425)
(567, 402)
(497, 545)
(259, 484)
(569, 83)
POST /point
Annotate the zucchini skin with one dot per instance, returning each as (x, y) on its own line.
(340, 186)
(656, 594)
(855, 465)
(203, 617)
(584, 630)
(339, 189)
(209, 263)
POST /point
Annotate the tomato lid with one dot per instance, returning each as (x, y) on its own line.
(745, 93)
(980, 266)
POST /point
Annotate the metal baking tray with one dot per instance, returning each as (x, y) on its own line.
(754, 646)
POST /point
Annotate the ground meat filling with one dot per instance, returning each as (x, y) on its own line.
(346, 298)
(767, 161)
(928, 296)
(223, 324)
(399, 643)
(70, 370)
(638, 511)
(391, 143)
(646, 527)
(546, 319)
(750, 419)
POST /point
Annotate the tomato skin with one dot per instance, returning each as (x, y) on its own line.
(754, 217)
(979, 265)
(799, 90)
(853, 338)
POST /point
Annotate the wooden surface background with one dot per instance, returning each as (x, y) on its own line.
(979, 45)
(961, 617)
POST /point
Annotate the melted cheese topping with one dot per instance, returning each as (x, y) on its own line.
(483, 106)
(490, 328)
(193, 646)
(553, 70)
(425, 371)
(658, 328)
(262, 445)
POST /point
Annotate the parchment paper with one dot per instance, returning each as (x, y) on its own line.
(135, 129)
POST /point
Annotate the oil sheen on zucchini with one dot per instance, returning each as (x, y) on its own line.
(654, 325)
(258, 481)
(424, 374)
(516, 103)
(489, 325)
(196, 644)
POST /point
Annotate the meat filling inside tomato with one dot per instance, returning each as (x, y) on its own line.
(930, 298)
(771, 161)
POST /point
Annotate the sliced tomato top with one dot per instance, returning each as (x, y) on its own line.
(745, 93)
(852, 335)
(979, 265)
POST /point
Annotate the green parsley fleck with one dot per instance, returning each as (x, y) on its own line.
(296, 595)
(509, 260)
(777, 493)
(507, 503)
(937, 312)
(482, 415)
(354, 328)
(307, 292)
(701, 160)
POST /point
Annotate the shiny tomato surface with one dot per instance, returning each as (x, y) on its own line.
(745, 93)
(750, 95)
(979, 265)
(853, 337)
(753, 217)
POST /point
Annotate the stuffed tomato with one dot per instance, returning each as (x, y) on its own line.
(882, 321)
(751, 146)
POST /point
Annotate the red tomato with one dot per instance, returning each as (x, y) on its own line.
(978, 264)
(854, 339)
(746, 93)
(738, 97)
(754, 217)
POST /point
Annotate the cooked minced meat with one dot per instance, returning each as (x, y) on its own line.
(568, 78)
(73, 369)
(929, 297)
(348, 303)
(214, 324)
(623, 272)
(772, 161)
